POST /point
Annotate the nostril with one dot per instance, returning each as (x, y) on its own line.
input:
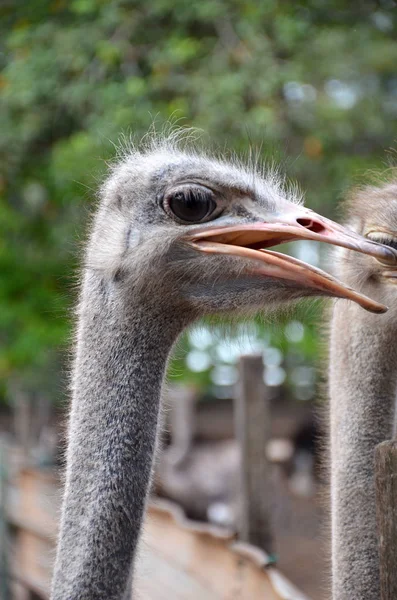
(312, 225)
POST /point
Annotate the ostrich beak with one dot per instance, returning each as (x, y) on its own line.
(252, 240)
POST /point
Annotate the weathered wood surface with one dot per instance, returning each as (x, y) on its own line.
(179, 559)
(180, 415)
(386, 512)
(252, 420)
(185, 560)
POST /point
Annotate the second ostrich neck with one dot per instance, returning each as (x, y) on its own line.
(363, 381)
(121, 358)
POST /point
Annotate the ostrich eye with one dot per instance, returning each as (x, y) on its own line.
(382, 237)
(190, 205)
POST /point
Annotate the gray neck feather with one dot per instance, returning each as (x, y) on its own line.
(363, 380)
(122, 349)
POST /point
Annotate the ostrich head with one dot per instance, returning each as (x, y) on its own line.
(194, 232)
(372, 212)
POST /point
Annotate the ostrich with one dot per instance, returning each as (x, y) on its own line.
(363, 387)
(177, 235)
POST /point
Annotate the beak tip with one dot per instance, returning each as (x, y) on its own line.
(389, 256)
(380, 309)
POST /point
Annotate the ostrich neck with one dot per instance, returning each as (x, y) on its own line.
(363, 379)
(122, 350)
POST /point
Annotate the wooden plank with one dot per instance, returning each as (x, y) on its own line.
(178, 558)
(252, 422)
(386, 512)
(197, 561)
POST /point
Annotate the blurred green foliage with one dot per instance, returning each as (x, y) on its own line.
(313, 84)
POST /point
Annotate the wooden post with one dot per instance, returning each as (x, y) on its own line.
(252, 423)
(22, 421)
(386, 512)
(181, 406)
(4, 547)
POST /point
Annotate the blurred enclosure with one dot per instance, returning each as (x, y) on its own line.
(243, 469)
(311, 86)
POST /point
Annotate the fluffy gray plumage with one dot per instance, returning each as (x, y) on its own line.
(363, 388)
(142, 285)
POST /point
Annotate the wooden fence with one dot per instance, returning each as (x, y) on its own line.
(198, 561)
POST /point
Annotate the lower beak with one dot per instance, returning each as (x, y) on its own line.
(251, 241)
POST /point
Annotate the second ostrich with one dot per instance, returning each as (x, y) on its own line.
(176, 236)
(363, 390)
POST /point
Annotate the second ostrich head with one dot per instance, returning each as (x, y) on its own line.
(195, 232)
(372, 212)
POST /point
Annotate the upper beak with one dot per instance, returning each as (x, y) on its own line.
(250, 240)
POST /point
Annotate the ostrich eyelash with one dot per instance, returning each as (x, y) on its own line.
(383, 238)
(390, 242)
